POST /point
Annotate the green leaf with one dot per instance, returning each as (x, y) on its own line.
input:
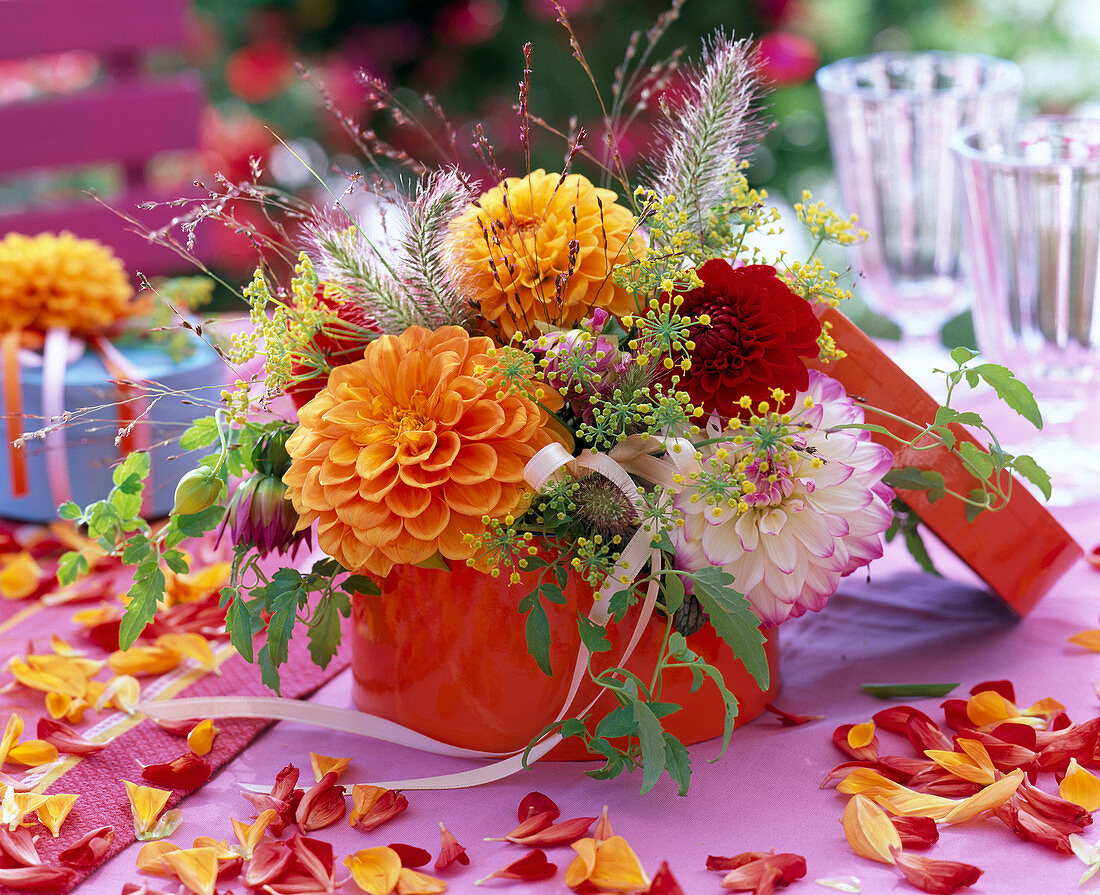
(71, 566)
(103, 520)
(197, 524)
(960, 354)
(201, 433)
(360, 584)
(593, 636)
(974, 510)
(889, 691)
(620, 602)
(1012, 391)
(284, 595)
(146, 591)
(674, 591)
(324, 627)
(663, 542)
(136, 465)
(980, 462)
(238, 622)
(651, 739)
(550, 591)
(945, 415)
(959, 332)
(910, 478)
(69, 510)
(538, 637)
(127, 503)
(733, 620)
(1033, 472)
(138, 549)
(618, 723)
(677, 763)
(914, 543)
(176, 561)
(269, 671)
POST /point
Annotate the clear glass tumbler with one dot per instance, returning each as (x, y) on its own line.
(1030, 200)
(891, 117)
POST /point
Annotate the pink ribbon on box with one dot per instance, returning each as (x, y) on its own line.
(552, 461)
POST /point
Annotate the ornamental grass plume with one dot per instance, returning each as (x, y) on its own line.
(61, 281)
(788, 508)
(409, 450)
(540, 250)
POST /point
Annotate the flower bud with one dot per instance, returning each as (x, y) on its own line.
(198, 490)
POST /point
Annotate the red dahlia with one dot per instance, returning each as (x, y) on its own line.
(339, 342)
(759, 332)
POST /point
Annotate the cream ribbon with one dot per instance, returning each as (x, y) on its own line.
(551, 462)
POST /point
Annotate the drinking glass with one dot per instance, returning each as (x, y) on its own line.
(890, 118)
(1030, 199)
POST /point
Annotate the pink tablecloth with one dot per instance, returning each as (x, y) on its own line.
(901, 625)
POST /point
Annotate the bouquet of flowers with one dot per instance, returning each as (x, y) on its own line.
(551, 378)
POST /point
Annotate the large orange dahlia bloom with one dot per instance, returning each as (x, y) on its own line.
(513, 244)
(405, 452)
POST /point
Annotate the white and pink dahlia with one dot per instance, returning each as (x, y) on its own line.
(788, 508)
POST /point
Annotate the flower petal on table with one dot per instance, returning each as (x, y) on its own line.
(20, 576)
(375, 870)
(537, 803)
(372, 806)
(916, 831)
(533, 824)
(40, 878)
(411, 855)
(73, 685)
(937, 876)
(990, 797)
(322, 764)
(664, 883)
(146, 804)
(610, 866)
(13, 730)
(532, 866)
(149, 857)
(188, 772)
(123, 692)
(249, 835)
(1080, 787)
(14, 806)
(54, 810)
(841, 883)
(603, 829)
(868, 748)
(196, 868)
(1005, 688)
(33, 753)
(315, 858)
(64, 739)
(269, 859)
(790, 719)
(561, 833)
(89, 849)
(413, 882)
(18, 845)
(924, 733)
(322, 805)
(1089, 640)
(449, 850)
(144, 660)
(192, 646)
(200, 739)
(869, 831)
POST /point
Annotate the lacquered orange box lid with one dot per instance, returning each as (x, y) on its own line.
(1021, 550)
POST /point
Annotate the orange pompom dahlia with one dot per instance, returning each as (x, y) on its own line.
(519, 238)
(406, 451)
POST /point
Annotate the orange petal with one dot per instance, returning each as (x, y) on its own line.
(992, 796)
(13, 730)
(962, 766)
(617, 867)
(196, 868)
(89, 618)
(1090, 640)
(201, 738)
(861, 735)
(1047, 707)
(193, 646)
(221, 850)
(54, 810)
(146, 804)
(449, 850)
(413, 882)
(869, 831)
(583, 864)
(936, 876)
(123, 692)
(322, 764)
(149, 858)
(375, 870)
(603, 829)
(20, 576)
(372, 806)
(45, 681)
(144, 660)
(1080, 787)
(62, 648)
(16, 805)
(906, 801)
(989, 707)
(32, 753)
(863, 779)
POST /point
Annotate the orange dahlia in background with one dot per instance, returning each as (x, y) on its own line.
(49, 280)
(514, 244)
(406, 451)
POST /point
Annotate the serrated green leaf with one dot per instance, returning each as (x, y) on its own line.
(974, 510)
(69, 510)
(103, 520)
(136, 465)
(283, 596)
(651, 739)
(960, 354)
(238, 622)
(734, 621)
(71, 566)
(980, 462)
(593, 636)
(1033, 472)
(618, 723)
(674, 591)
(537, 630)
(361, 584)
(127, 502)
(197, 524)
(325, 628)
(910, 478)
(201, 433)
(138, 549)
(915, 545)
(573, 727)
(914, 691)
(146, 591)
(176, 561)
(677, 763)
(620, 603)
(269, 671)
(1012, 391)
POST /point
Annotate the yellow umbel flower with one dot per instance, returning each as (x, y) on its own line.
(48, 281)
(541, 249)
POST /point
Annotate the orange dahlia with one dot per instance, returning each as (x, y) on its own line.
(408, 450)
(542, 248)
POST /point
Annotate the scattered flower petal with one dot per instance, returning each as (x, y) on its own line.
(13, 730)
(16, 805)
(411, 855)
(189, 771)
(561, 833)
(269, 859)
(33, 753)
(413, 882)
(537, 803)
(181, 728)
(200, 739)
(196, 868)
(842, 884)
(372, 806)
(123, 692)
(149, 857)
(40, 878)
(19, 846)
(936, 876)
(54, 810)
(861, 734)
(868, 751)
(869, 831)
(321, 805)
(610, 866)
(192, 646)
(375, 870)
(532, 866)
(603, 829)
(1080, 787)
(20, 576)
(65, 739)
(990, 797)
(533, 824)
(314, 859)
(322, 764)
(143, 660)
(1089, 640)
(249, 835)
(664, 883)
(146, 804)
(916, 831)
(1088, 854)
(765, 872)
(449, 850)
(789, 719)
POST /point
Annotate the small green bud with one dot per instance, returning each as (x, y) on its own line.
(198, 490)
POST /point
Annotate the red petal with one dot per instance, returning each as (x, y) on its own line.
(758, 877)
(1033, 829)
(916, 832)
(532, 866)
(935, 876)
(105, 635)
(89, 849)
(322, 804)
(789, 719)
(724, 865)
(561, 833)
(1069, 817)
(449, 850)
(664, 883)
(40, 878)
(270, 858)
(925, 734)
(410, 855)
(189, 771)
(284, 812)
(141, 889)
(895, 718)
(1005, 754)
(176, 728)
(863, 753)
(1005, 688)
(1080, 741)
(954, 712)
(535, 823)
(19, 846)
(537, 803)
(286, 781)
(390, 804)
(1060, 721)
(314, 858)
(65, 739)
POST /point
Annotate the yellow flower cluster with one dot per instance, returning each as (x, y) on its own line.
(61, 281)
(825, 224)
